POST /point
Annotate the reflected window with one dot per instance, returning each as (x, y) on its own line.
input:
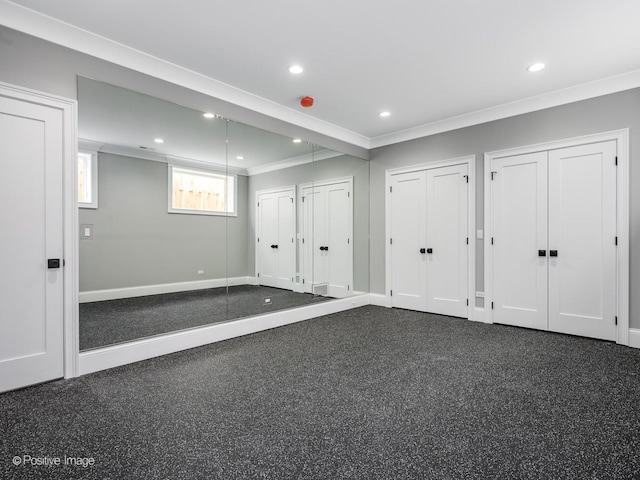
(87, 179)
(201, 192)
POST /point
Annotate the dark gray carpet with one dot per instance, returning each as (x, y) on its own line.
(115, 321)
(371, 393)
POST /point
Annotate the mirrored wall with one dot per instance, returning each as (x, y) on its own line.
(189, 219)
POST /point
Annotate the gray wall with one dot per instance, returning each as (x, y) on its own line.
(610, 112)
(33, 63)
(337, 167)
(137, 242)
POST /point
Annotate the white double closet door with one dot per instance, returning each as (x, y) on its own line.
(428, 241)
(554, 240)
(276, 232)
(327, 226)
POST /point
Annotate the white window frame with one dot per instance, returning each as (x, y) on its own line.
(93, 178)
(208, 173)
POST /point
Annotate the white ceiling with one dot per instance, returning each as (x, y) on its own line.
(425, 61)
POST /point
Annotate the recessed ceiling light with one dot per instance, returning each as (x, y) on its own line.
(297, 140)
(536, 67)
(209, 115)
(296, 69)
(239, 157)
(158, 140)
(384, 114)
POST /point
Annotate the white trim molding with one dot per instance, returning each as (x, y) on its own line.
(634, 338)
(144, 290)
(125, 353)
(621, 137)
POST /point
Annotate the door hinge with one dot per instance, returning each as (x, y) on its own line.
(64, 262)
(348, 241)
(348, 194)
(348, 287)
(391, 241)
(390, 189)
(302, 199)
(258, 239)
(291, 199)
(467, 240)
(466, 177)
(616, 161)
(491, 240)
(491, 305)
(616, 240)
(303, 281)
(303, 240)
(467, 302)
(291, 239)
(616, 317)
(291, 279)
(493, 174)
(391, 293)
(258, 203)
(258, 275)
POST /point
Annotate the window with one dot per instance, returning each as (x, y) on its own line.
(201, 192)
(87, 179)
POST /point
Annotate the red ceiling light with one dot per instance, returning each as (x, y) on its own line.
(306, 102)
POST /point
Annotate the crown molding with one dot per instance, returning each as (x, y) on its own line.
(42, 26)
(53, 30)
(584, 91)
(293, 162)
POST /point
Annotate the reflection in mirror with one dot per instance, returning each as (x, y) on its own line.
(177, 239)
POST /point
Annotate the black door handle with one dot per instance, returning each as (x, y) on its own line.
(53, 263)
(429, 250)
(423, 250)
(275, 246)
(326, 249)
(553, 253)
(542, 253)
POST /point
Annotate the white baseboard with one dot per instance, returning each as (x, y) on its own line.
(123, 354)
(144, 290)
(379, 300)
(634, 337)
(478, 315)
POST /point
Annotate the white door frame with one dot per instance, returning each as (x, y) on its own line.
(621, 137)
(322, 183)
(70, 232)
(470, 161)
(257, 217)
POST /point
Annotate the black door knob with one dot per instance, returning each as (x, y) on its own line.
(429, 250)
(553, 253)
(326, 249)
(423, 250)
(53, 263)
(542, 253)
(275, 246)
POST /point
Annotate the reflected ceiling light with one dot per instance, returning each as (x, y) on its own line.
(209, 115)
(384, 114)
(536, 67)
(239, 157)
(296, 69)
(158, 140)
(297, 140)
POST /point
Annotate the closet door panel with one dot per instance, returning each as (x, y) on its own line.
(268, 235)
(408, 237)
(582, 229)
(286, 251)
(519, 204)
(338, 228)
(447, 226)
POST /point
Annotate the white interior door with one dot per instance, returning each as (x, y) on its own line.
(338, 239)
(519, 237)
(31, 208)
(276, 234)
(408, 240)
(447, 240)
(312, 200)
(582, 231)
